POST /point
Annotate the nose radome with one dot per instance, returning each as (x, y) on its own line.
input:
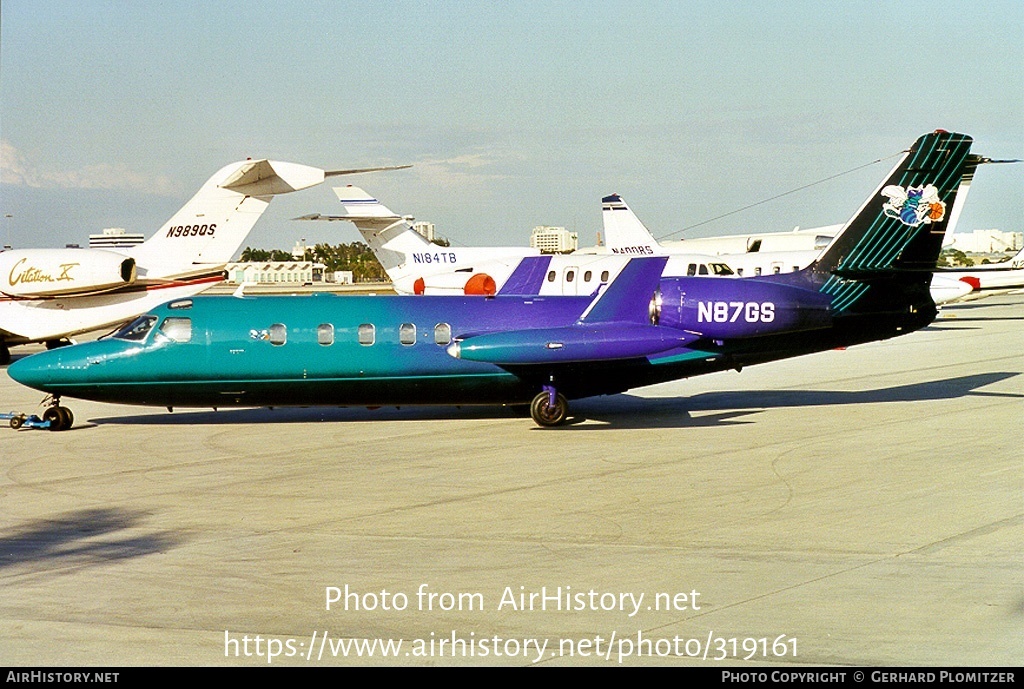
(33, 371)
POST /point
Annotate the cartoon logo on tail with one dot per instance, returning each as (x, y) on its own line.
(914, 206)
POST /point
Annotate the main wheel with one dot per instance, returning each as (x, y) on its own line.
(546, 414)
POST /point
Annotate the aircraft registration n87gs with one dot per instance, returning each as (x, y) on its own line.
(870, 283)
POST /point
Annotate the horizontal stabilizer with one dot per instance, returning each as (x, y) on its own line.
(356, 171)
(354, 218)
(268, 177)
(359, 204)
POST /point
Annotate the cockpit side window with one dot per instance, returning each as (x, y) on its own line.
(137, 330)
(177, 329)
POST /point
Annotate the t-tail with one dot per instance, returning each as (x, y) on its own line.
(623, 231)
(415, 265)
(390, 236)
(209, 229)
(882, 260)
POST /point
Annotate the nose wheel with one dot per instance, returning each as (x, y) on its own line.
(60, 418)
(549, 408)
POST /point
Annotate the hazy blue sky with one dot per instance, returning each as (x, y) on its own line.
(513, 114)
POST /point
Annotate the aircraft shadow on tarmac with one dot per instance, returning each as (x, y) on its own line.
(971, 319)
(616, 412)
(636, 412)
(80, 539)
(1005, 311)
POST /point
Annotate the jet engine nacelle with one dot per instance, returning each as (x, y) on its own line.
(472, 284)
(730, 309)
(34, 273)
(580, 342)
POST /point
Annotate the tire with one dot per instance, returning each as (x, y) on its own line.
(546, 414)
(17, 422)
(67, 418)
(55, 417)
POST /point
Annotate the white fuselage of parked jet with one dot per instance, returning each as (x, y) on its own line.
(417, 266)
(48, 295)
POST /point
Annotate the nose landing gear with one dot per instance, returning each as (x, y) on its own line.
(549, 407)
(55, 418)
(60, 418)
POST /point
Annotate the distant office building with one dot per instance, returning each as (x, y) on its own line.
(114, 237)
(426, 229)
(553, 240)
(276, 272)
(988, 241)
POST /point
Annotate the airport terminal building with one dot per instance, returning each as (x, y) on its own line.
(279, 273)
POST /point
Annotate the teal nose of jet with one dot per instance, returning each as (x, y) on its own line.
(60, 369)
(36, 371)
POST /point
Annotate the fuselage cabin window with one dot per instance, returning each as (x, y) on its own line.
(407, 333)
(442, 334)
(325, 334)
(367, 334)
(278, 334)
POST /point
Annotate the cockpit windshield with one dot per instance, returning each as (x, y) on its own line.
(137, 329)
(721, 269)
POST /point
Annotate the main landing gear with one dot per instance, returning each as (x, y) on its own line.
(549, 407)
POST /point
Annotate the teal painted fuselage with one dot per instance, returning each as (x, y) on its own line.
(322, 350)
